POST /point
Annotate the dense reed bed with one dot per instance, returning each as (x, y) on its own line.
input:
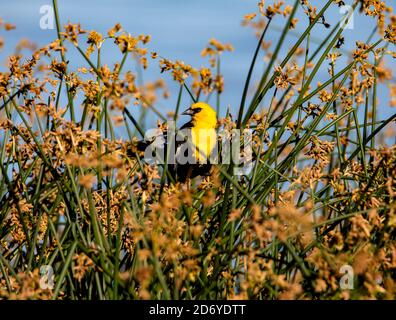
(84, 217)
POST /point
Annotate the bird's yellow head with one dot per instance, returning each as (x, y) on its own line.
(202, 115)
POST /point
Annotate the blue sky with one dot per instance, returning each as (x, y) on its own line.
(180, 29)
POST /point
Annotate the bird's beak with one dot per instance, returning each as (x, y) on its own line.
(188, 112)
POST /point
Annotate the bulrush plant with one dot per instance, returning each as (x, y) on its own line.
(84, 216)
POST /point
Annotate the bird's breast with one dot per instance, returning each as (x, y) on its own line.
(204, 139)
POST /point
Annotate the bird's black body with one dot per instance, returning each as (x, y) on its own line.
(178, 172)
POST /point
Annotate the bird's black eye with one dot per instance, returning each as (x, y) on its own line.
(196, 110)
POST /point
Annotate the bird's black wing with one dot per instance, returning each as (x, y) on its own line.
(177, 171)
(187, 125)
(190, 171)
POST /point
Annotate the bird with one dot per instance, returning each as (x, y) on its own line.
(201, 140)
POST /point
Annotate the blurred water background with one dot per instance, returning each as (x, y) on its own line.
(179, 29)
